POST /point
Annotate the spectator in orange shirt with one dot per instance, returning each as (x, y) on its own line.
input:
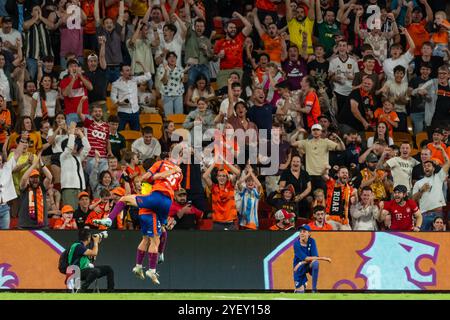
(274, 43)
(100, 210)
(319, 222)
(436, 153)
(66, 222)
(223, 193)
(387, 115)
(440, 38)
(415, 24)
(311, 105)
(5, 121)
(133, 170)
(285, 220)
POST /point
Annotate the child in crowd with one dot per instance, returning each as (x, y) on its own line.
(387, 115)
(440, 38)
(66, 222)
(99, 210)
(146, 99)
(250, 190)
(132, 169)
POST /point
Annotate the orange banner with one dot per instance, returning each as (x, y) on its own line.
(368, 261)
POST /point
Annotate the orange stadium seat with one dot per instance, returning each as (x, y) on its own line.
(178, 119)
(421, 136)
(130, 136)
(150, 118)
(400, 137)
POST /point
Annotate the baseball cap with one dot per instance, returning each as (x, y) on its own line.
(67, 208)
(316, 126)
(119, 191)
(181, 191)
(401, 188)
(290, 188)
(283, 214)
(304, 227)
(372, 158)
(92, 56)
(34, 173)
(83, 194)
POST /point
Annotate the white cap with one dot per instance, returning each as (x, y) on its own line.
(316, 126)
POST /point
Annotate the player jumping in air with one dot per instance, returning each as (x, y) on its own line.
(165, 176)
(306, 260)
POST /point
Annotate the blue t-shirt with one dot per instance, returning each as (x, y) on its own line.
(21, 17)
(262, 116)
(301, 252)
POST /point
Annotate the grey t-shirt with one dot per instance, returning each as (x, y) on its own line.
(113, 47)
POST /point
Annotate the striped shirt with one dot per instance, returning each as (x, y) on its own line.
(249, 208)
(37, 42)
(98, 137)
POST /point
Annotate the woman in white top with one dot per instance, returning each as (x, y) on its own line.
(381, 133)
(60, 134)
(45, 103)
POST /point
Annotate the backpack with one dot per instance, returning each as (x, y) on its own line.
(63, 262)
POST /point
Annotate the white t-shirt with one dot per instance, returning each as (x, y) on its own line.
(11, 37)
(51, 97)
(176, 45)
(371, 139)
(389, 65)
(433, 198)
(396, 91)
(4, 86)
(402, 170)
(343, 69)
(224, 105)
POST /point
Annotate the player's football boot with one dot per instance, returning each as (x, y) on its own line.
(160, 258)
(103, 222)
(139, 272)
(153, 276)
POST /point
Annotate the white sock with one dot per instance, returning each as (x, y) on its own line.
(152, 270)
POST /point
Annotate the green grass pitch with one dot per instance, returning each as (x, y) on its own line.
(221, 296)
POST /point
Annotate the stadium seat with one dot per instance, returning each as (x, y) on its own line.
(414, 152)
(130, 136)
(157, 129)
(400, 137)
(112, 108)
(369, 134)
(150, 118)
(421, 136)
(177, 119)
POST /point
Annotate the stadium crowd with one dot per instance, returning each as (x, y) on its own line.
(352, 96)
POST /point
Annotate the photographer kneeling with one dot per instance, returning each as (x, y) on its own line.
(84, 254)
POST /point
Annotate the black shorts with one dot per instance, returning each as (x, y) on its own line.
(55, 159)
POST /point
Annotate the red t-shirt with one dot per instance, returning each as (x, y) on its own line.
(233, 52)
(266, 5)
(75, 95)
(88, 9)
(98, 137)
(401, 217)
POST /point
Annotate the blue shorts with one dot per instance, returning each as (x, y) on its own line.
(158, 203)
(150, 225)
(300, 277)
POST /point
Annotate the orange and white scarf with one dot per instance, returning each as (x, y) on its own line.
(36, 205)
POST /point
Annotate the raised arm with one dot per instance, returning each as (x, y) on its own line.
(412, 46)
(121, 13)
(182, 25)
(311, 10)
(289, 14)
(409, 13)
(318, 12)
(164, 11)
(207, 176)
(257, 23)
(102, 53)
(98, 20)
(80, 108)
(247, 25)
(24, 181)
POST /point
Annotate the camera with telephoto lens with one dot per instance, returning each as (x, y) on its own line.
(102, 235)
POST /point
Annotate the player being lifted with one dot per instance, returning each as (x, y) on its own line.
(165, 176)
